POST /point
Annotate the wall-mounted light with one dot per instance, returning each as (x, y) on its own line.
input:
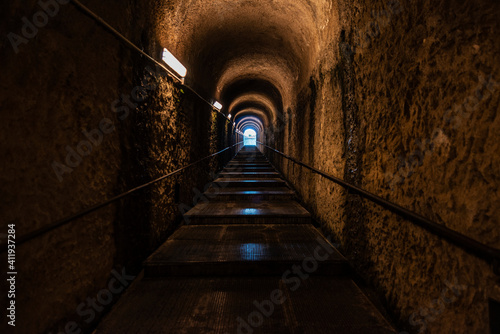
(174, 64)
(217, 105)
(229, 116)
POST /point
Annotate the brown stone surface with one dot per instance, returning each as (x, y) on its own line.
(63, 82)
(410, 88)
(407, 139)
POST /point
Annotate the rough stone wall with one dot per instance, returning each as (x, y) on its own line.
(65, 81)
(59, 84)
(417, 82)
(312, 130)
(428, 104)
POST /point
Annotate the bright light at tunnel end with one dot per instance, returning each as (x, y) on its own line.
(250, 137)
(173, 63)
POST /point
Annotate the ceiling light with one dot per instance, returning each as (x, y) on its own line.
(173, 63)
(217, 105)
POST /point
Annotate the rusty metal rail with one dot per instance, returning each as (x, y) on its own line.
(470, 245)
(96, 207)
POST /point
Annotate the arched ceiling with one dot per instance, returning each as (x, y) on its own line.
(254, 113)
(255, 101)
(251, 55)
(253, 124)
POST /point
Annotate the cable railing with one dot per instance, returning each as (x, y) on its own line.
(130, 44)
(134, 47)
(67, 220)
(470, 245)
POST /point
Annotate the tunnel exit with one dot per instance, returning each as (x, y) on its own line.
(250, 138)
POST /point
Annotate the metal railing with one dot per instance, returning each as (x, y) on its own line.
(135, 48)
(96, 207)
(470, 245)
(126, 41)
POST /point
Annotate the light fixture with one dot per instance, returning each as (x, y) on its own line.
(217, 105)
(173, 63)
(229, 116)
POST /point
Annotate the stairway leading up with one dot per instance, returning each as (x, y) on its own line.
(248, 260)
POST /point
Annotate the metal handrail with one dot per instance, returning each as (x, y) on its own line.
(470, 245)
(96, 207)
(134, 47)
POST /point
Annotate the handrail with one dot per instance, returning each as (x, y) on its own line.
(134, 47)
(96, 207)
(468, 244)
(124, 39)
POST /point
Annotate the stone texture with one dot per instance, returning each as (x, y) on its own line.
(63, 82)
(405, 85)
(416, 147)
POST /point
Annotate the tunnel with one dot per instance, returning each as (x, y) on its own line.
(250, 166)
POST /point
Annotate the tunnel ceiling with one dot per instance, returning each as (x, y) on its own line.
(253, 56)
(250, 116)
(254, 101)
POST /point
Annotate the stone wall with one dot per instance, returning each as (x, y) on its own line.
(415, 85)
(74, 78)
(428, 105)
(312, 131)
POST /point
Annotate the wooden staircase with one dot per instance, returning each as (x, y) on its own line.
(248, 260)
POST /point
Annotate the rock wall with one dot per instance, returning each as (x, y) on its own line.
(415, 86)
(82, 121)
(312, 130)
(428, 104)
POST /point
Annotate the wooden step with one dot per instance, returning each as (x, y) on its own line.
(250, 194)
(249, 183)
(249, 169)
(249, 175)
(319, 305)
(239, 250)
(265, 212)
